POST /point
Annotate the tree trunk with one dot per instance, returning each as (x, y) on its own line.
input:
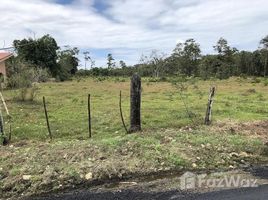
(135, 104)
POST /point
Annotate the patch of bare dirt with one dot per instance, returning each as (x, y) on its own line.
(254, 128)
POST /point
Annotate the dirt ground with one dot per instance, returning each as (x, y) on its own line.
(30, 167)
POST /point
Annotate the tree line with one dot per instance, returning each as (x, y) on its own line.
(186, 60)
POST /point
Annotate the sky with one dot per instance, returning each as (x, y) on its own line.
(131, 28)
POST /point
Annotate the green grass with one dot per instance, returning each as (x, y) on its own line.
(162, 106)
(166, 142)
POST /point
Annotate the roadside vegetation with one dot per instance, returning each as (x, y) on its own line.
(174, 100)
(169, 140)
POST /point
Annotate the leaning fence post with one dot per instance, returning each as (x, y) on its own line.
(89, 115)
(121, 112)
(48, 126)
(135, 103)
(209, 106)
(7, 140)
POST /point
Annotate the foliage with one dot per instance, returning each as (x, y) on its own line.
(24, 76)
(162, 105)
(44, 53)
(40, 52)
(187, 60)
(186, 56)
(122, 64)
(68, 62)
(110, 63)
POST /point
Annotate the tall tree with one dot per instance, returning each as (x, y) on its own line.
(68, 60)
(86, 58)
(186, 55)
(157, 61)
(41, 52)
(110, 63)
(264, 44)
(122, 64)
(226, 58)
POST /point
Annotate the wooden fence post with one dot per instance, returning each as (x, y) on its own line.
(209, 106)
(135, 104)
(89, 116)
(7, 140)
(48, 126)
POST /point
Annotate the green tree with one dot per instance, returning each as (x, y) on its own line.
(68, 60)
(209, 66)
(122, 64)
(187, 55)
(225, 59)
(41, 52)
(86, 58)
(264, 45)
(110, 63)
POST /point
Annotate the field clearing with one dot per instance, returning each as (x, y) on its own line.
(162, 107)
(168, 142)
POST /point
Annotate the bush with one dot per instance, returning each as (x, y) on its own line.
(25, 77)
(265, 82)
(22, 79)
(28, 94)
(255, 80)
(42, 75)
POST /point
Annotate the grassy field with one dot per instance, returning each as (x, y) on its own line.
(169, 140)
(162, 106)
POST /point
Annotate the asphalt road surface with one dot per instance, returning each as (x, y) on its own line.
(258, 193)
(143, 191)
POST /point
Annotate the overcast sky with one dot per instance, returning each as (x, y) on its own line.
(130, 28)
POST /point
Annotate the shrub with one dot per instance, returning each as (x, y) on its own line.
(25, 77)
(255, 80)
(28, 94)
(42, 75)
(265, 82)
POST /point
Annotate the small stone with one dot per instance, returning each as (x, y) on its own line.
(243, 154)
(26, 177)
(89, 176)
(234, 154)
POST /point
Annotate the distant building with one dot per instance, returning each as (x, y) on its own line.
(3, 57)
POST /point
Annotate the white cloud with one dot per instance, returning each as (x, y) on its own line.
(130, 27)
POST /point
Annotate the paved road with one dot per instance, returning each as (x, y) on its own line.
(259, 193)
(145, 190)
